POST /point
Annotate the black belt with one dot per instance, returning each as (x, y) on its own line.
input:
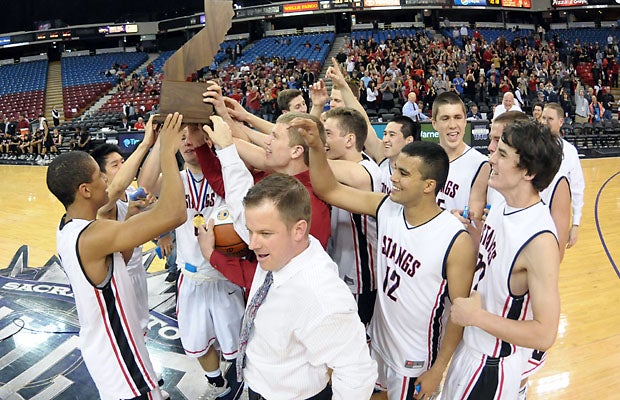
(325, 394)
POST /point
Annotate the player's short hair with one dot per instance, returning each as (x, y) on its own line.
(435, 163)
(101, 152)
(540, 153)
(350, 120)
(286, 96)
(288, 194)
(509, 117)
(294, 138)
(557, 107)
(407, 126)
(445, 98)
(66, 173)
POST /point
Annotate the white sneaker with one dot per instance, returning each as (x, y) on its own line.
(165, 395)
(215, 392)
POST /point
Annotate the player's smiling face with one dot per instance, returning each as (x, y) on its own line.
(450, 123)
(393, 140)
(273, 242)
(407, 181)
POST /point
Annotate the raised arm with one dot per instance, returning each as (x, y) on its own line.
(351, 174)
(478, 194)
(150, 173)
(240, 114)
(128, 171)
(324, 183)
(373, 145)
(318, 96)
(104, 237)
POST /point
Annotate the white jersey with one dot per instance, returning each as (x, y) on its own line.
(386, 174)
(353, 240)
(135, 268)
(461, 177)
(412, 296)
(111, 340)
(504, 235)
(547, 194)
(121, 212)
(199, 199)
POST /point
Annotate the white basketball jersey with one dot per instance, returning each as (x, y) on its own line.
(386, 173)
(111, 340)
(121, 212)
(504, 235)
(462, 174)
(412, 290)
(353, 241)
(547, 194)
(199, 199)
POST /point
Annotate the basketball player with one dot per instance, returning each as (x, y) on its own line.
(209, 306)
(120, 174)
(283, 150)
(398, 132)
(306, 325)
(515, 298)
(553, 117)
(353, 236)
(558, 199)
(424, 259)
(111, 339)
(291, 100)
(469, 169)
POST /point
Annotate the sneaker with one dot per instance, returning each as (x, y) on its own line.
(215, 392)
(165, 395)
(39, 158)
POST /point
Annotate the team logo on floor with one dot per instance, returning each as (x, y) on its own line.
(39, 343)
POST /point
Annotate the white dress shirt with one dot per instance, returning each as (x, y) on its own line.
(307, 324)
(571, 168)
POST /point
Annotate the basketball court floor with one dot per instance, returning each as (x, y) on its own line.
(39, 356)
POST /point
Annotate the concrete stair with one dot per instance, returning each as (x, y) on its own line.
(104, 99)
(53, 91)
(336, 47)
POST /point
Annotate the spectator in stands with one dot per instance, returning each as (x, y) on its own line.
(387, 89)
(371, 96)
(412, 110)
(608, 101)
(567, 104)
(474, 113)
(55, 116)
(537, 111)
(596, 110)
(128, 109)
(125, 125)
(582, 106)
(83, 142)
(139, 125)
(252, 100)
(508, 104)
(458, 83)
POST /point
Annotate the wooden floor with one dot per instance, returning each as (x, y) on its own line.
(584, 362)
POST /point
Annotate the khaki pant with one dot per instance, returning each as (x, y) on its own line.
(580, 119)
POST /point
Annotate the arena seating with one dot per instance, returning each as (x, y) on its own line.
(270, 47)
(84, 78)
(22, 88)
